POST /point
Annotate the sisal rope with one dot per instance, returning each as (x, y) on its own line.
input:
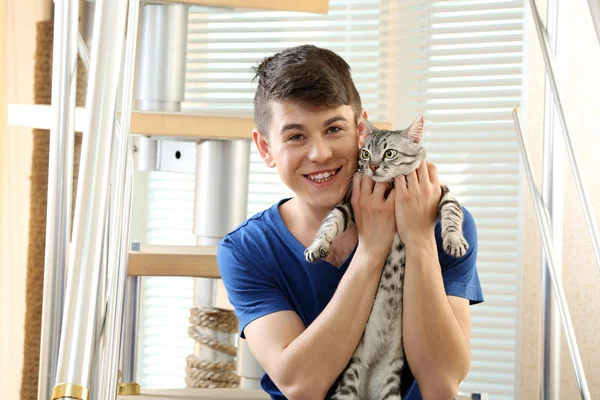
(37, 208)
(201, 373)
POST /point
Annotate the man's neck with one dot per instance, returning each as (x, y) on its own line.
(305, 216)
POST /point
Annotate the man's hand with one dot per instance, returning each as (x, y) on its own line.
(416, 203)
(374, 216)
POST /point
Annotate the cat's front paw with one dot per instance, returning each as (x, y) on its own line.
(455, 244)
(317, 250)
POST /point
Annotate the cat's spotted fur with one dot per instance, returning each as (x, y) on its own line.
(375, 368)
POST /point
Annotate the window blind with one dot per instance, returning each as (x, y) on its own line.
(458, 62)
(462, 67)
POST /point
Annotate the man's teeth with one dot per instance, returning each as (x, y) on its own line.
(322, 176)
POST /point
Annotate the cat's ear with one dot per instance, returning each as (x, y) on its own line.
(415, 130)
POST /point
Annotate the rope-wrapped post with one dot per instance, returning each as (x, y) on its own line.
(214, 330)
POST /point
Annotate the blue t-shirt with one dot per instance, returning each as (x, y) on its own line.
(264, 271)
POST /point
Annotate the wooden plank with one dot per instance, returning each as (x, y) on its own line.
(191, 126)
(198, 394)
(310, 6)
(209, 394)
(178, 125)
(190, 261)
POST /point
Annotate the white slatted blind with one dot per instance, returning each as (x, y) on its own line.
(166, 301)
(461, 66)
(457, 61)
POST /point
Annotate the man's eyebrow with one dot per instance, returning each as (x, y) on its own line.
(288, 127)
(335, 119)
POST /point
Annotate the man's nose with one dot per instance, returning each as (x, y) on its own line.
(373, 167)
(320, 151)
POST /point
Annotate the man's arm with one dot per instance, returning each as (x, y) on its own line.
(305, 362)
(436, 327)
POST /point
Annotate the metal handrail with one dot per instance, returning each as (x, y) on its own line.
(544, 225)
(542, 34)
(595, 12)
(60, 190)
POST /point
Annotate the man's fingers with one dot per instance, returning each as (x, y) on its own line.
(366, 185)
(356, 186)
(433, 174)
(400, 185)
(422, 174)
(412, 181)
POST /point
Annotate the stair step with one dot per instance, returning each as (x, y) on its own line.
(311, 6)
(189, 261)
(177, 125)
(199, 394)
(210, 394)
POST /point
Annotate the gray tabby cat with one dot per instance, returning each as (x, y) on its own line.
(375, 367)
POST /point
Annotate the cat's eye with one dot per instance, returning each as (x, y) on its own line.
(391, 153)
(365, 155)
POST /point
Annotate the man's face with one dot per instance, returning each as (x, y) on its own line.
(314, 150)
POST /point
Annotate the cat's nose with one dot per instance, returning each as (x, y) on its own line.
(373, 167)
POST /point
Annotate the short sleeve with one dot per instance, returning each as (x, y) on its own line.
(250, 290)
(460, 275)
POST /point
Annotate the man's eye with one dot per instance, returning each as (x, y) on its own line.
(334, 129)
(296, 137)
(364, 154)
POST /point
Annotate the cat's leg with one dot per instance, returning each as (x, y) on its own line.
(450, 214)
(336, 221)
(351, 383)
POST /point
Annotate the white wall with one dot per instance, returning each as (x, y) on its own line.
(581, 277)
(14, 216)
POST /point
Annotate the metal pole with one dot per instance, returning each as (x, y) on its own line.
(130, 331)
(550, 70)
(160, 86)
(160, 69)
(553, 197)
(595, 12)
(60, 188)
(544, 225)
(222, 171)
(76, 343)
(120, 217)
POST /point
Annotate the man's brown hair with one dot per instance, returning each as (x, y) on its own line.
(307, 74)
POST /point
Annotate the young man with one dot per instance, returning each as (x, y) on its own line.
(303, 321)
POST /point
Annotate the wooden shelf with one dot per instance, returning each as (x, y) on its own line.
(170, 126)
(190, 261)
(209, 394)
(310, 6)
(198, 394)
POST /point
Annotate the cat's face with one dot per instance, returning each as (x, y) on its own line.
(388, 154)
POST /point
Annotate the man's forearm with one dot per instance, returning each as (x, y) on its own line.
(317, 357)
(436, 346)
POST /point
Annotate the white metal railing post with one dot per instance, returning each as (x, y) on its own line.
(595, 12)
(60, 188)
(120, 217)
(544, 225)
(79, 314)
(553, 197)
(550, 71)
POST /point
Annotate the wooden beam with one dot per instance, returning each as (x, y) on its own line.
(198, 394)
(190, 261)
(310, 6)
(191, 126)
(177, 125)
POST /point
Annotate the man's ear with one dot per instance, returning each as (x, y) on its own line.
(364, 128)
(263, 148)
